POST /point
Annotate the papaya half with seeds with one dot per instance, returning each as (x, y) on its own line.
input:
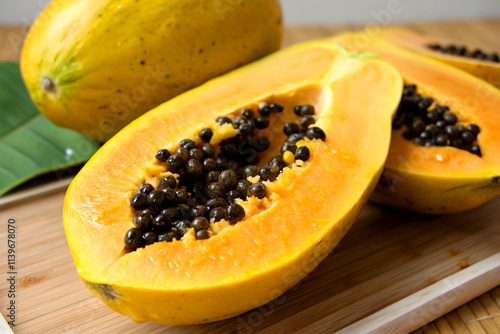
(475, 61)
(428, 171)
(277, 236)
(93, 66)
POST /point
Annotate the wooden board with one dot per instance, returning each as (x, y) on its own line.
(387, 256)
(480, 315)
(393, 272)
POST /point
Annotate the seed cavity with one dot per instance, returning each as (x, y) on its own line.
(205, 183)
(462, 51)
(428, 123)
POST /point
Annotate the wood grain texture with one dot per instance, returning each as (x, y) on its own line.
(465, 319)
(388, 255)
(11, 41)
(432, 301)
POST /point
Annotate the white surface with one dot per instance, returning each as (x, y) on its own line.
(386, 11)
(321, 11)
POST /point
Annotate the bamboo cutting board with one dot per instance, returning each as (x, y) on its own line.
(393, 273)
(400, 270)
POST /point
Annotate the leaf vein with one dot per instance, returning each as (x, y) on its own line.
(46, 141)
(22, 155)
(8, 173)
(20, 126)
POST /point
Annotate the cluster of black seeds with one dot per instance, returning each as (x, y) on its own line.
(459, 50)
(208, 184)
(428, 123)
(301, 130)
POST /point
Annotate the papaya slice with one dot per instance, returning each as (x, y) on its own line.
(475, 61)
(438, 179)
(285, 234)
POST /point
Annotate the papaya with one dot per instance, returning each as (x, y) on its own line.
(475, 61)
(445, 147)
(93, 66)
(224, 197)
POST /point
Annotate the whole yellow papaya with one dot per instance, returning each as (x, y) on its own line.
(95, 65)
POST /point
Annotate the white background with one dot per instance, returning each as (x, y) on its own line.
(308, 12)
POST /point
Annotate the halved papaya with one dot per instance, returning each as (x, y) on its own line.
(270, 240)
(475, 61)
(438, 177)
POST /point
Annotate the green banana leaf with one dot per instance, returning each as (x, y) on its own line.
(30, 145)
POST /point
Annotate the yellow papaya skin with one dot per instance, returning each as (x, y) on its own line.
(94, 66)
(437, 180)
